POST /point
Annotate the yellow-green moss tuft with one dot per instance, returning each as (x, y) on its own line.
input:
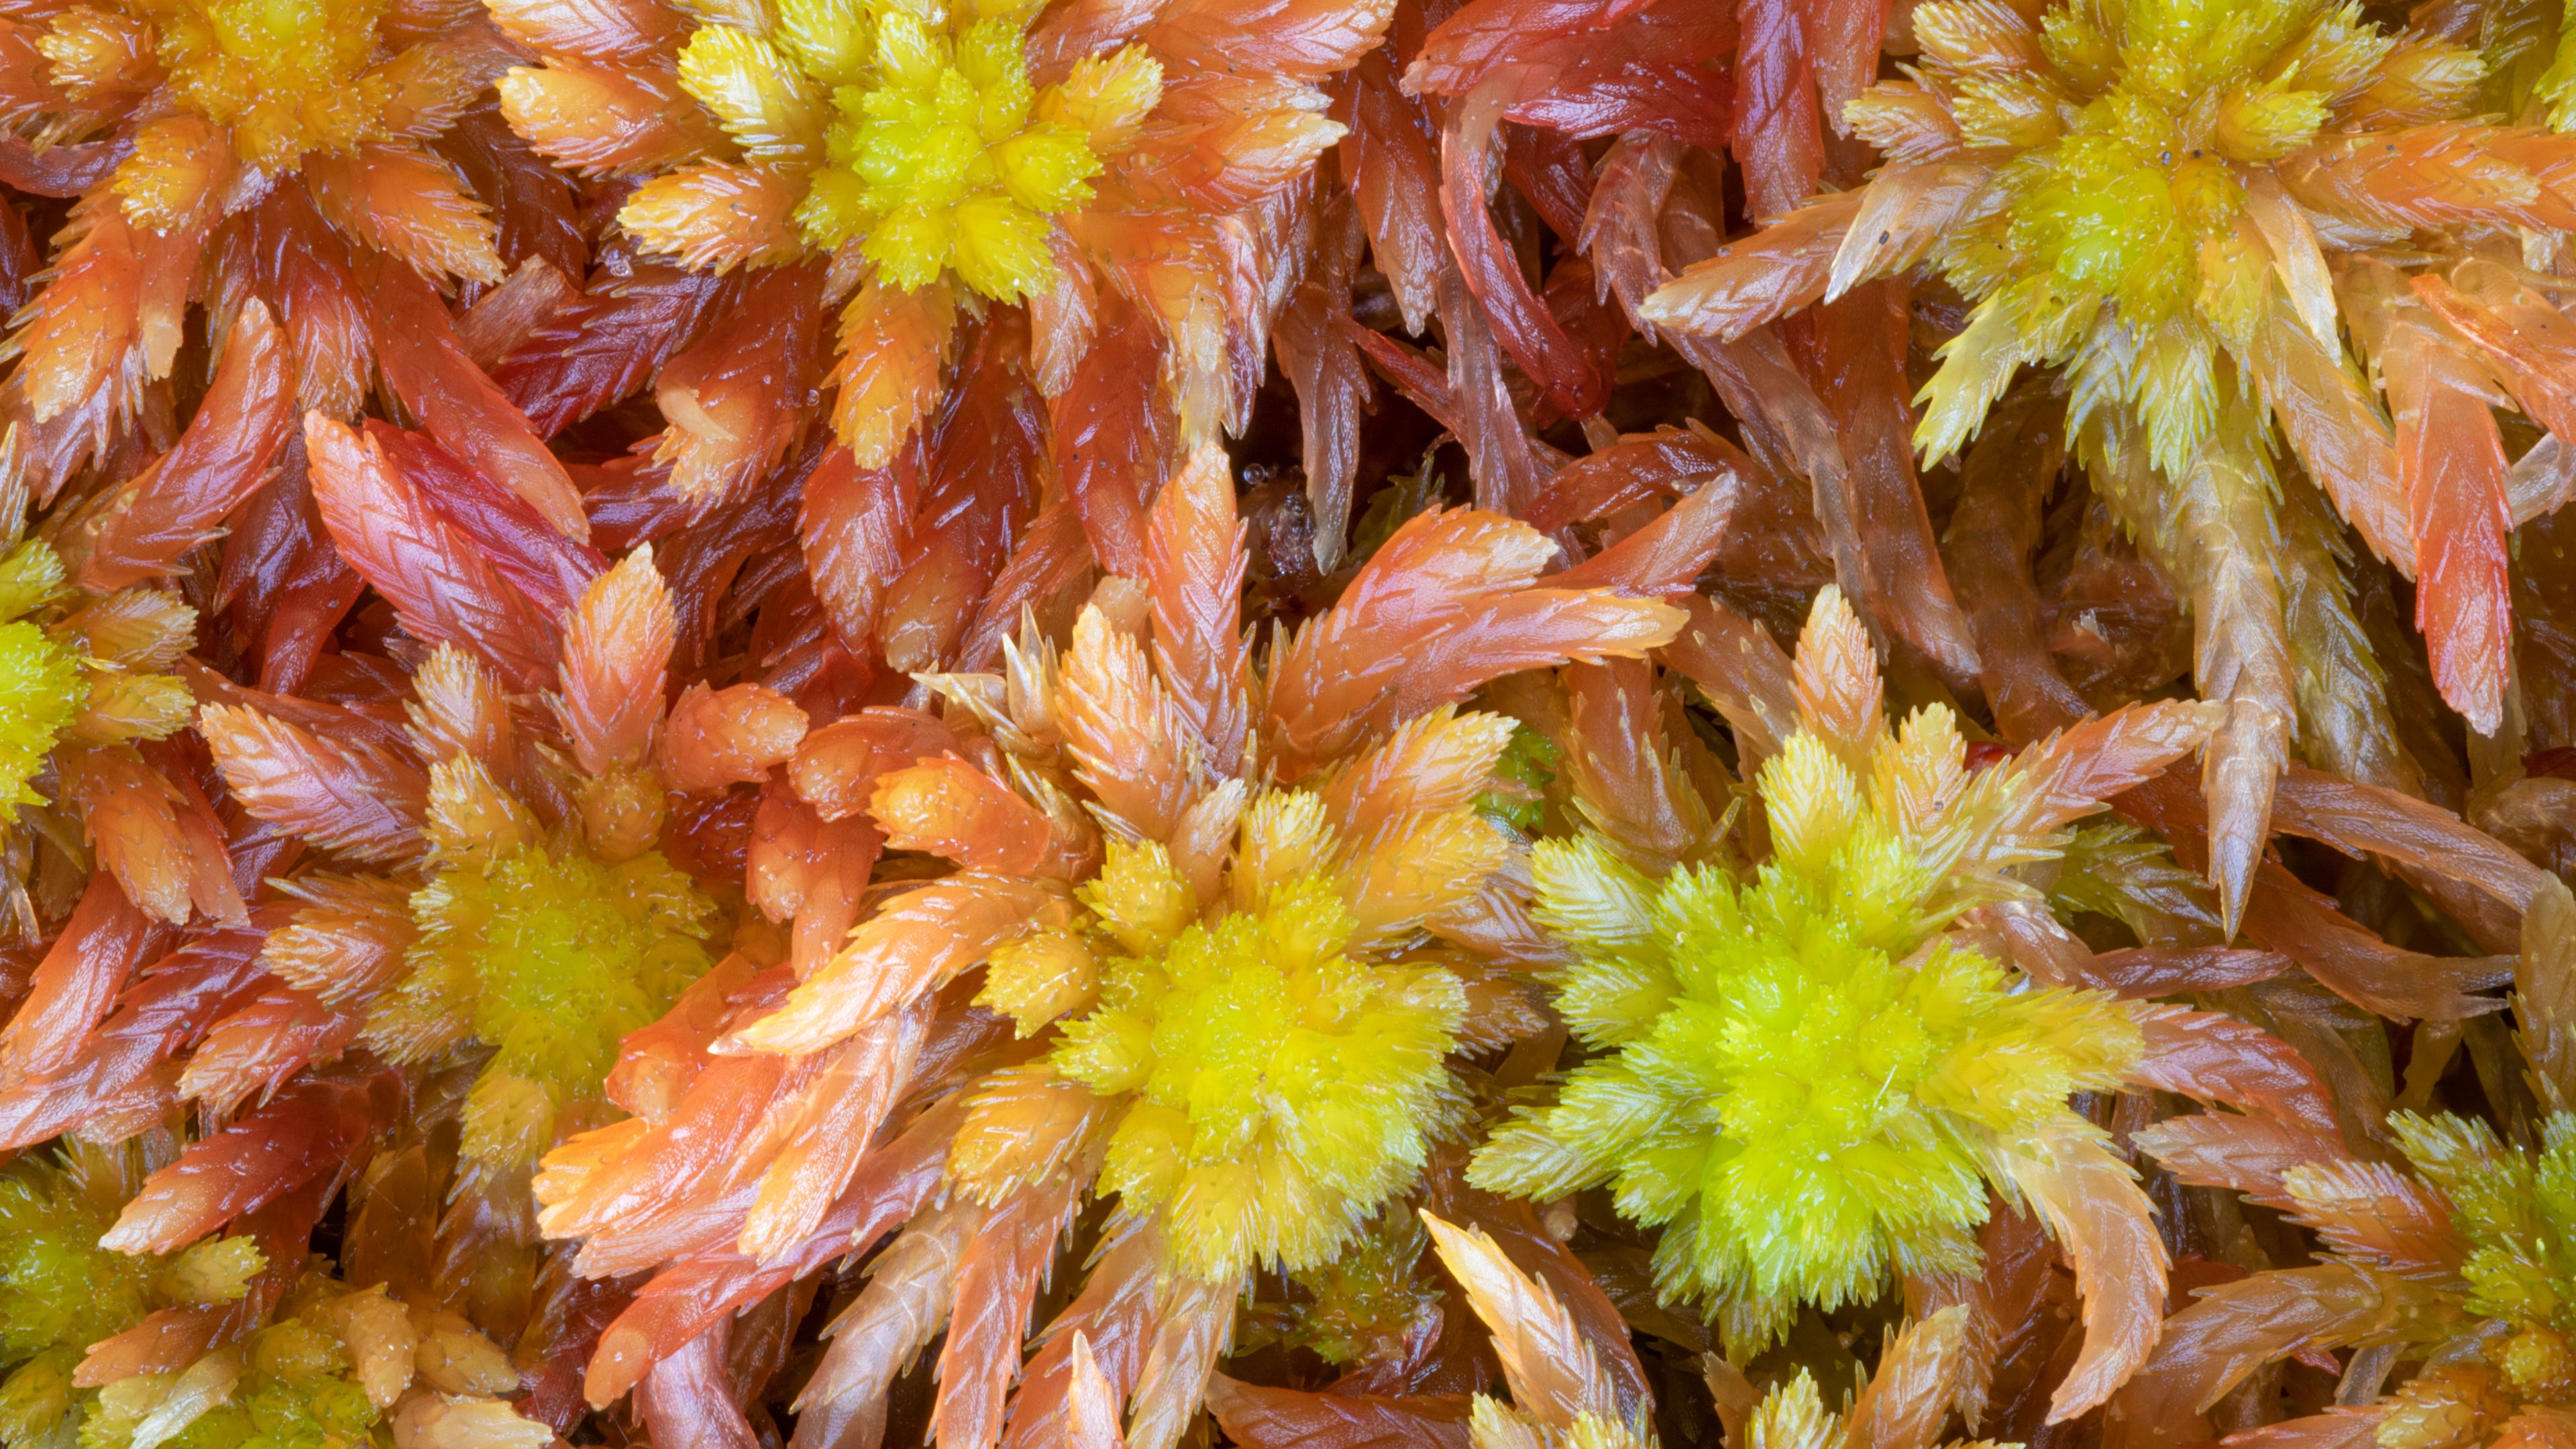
(1793, 1076)
(1273, 1089)
(549, 956)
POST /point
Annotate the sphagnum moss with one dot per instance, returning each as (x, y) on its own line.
(549, 955)
(1208, 959)
(917, 137)
(61, 1292)
(1804, 1078)
(2207, 215)
(1273, 1084)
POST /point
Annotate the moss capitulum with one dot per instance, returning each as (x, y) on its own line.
(920, 136)
(284, 74)
(1272, 1087)
(1795, 1076)
(550, 957)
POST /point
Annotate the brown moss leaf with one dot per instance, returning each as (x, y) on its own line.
(304, 1132)
(853, 527)
(2375, 1215)
(1130, 742)
(905, 1305)
(407, 202)
(826, 1132)
(75, 983)
(1194, 562)
(729, 736)
(917, 942)
(997, 1283)
(2090, 1202)
(616, 658)
(1553, 1375)
(893, 357)
(441, 589)
(1782, 269)
(2216, 1058)
(1910, 1391)
(344, 795)
(950, 808)
(2250, 1155)
(1274, 1418)
(238, 430)
(2235, 1328)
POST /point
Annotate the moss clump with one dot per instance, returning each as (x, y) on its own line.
(1796, 1078)
(42, 685)
(2121, 237)
(58, 1288)
(922, 139)
(60, 1292)
(295, 1392)
(549, 956)
(286, 75)
(1271, 1088)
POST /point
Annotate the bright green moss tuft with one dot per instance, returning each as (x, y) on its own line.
(295, 1393)
(920, 137)
(211, 1270)
(58, 1288)
(1274, 1089)
(37, 1398)
(2121, 240)
(2517, 1211)
(1795, 1077)
(284, 74)
(548, 956)
(31, 574)
(60, 1292)
(573, 954)
(2170, 92)
(42, 690)
(941, 165)
(42, 685)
